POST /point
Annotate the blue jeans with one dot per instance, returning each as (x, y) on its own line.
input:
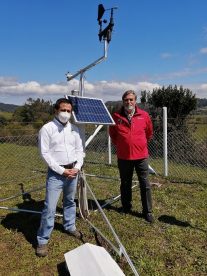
(55, 184)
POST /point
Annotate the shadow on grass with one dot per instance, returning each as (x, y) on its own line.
(62, 269)
(107, 204)
(173, 221)
(25, 222)
(93, 206)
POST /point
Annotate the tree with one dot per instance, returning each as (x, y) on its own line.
(144, 97)
(179, 101)
(37, 111)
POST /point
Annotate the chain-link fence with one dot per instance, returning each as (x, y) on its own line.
(187, 151)
(20, 159)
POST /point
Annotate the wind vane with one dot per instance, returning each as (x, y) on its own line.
(105, 35)
(107, 32)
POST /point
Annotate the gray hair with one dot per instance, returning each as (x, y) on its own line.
(129, 92)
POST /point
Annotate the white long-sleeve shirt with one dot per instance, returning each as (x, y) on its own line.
(60, 145)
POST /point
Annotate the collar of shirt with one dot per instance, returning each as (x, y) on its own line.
(130, 115)
(59, 123)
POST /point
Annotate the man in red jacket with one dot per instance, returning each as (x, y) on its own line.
(131, 135)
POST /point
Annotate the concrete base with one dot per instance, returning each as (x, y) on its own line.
(91, 260)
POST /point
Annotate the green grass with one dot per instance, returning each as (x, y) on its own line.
(197, 124)
(187, 173)
(19, 162)
(176, 171)
(200, 132)
(6, 115)
(175, 244)
(197, 118)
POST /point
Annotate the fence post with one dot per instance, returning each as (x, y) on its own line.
(109, 146)
(165, 141)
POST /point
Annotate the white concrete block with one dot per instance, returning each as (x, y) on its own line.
(91, 260)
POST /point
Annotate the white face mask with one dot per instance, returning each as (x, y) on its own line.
(64, 117)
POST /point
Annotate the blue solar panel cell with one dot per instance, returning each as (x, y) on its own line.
(90, 111)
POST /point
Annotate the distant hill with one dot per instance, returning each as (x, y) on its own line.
(8, 107)
(202, 102)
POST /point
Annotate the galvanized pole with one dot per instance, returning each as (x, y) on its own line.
(109, 147)
(165, 153)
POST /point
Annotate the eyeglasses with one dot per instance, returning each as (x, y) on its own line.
(65, 110)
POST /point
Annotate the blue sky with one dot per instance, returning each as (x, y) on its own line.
(154, 43)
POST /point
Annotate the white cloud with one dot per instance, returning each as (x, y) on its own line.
(7, 81)
(106, 90)
(13, 88)
(203, 50)
(113, 90)
(199, 89)
(202, 89)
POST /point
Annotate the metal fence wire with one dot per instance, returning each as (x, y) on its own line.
(187, 151)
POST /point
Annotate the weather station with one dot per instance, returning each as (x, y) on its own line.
(93, 111)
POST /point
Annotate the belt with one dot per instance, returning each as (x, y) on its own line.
(69, 166)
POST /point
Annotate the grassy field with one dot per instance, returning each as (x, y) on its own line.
(14, 168)
(177, 172)
(6, 115)
(176, 244)
(198, 125)
(200, 131)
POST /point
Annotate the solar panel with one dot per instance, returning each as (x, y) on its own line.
(90, 111)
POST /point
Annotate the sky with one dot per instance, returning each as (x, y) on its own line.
(154, 43)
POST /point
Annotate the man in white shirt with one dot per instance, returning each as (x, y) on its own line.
(61, 148)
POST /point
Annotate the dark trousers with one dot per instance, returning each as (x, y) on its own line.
(126, 169)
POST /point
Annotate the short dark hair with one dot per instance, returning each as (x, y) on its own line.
(129, 92)
(62, 100)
